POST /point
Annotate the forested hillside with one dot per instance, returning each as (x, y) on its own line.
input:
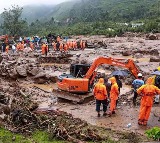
(94, 10)
(116, 10)
(93, 17)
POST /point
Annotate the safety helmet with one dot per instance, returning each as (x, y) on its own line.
(139, 75)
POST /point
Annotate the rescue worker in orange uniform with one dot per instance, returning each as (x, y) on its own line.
(31, 45)
(84, 45)
(100, 94)
(65, 47)
(114, 92)
(61, 47)
(75, 45)
(147, 92)
(44, 49)
(81, 44)
(7, 49)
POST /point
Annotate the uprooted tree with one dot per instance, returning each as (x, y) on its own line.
(13, 24)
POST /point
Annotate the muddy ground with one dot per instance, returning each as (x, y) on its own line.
(36, 76)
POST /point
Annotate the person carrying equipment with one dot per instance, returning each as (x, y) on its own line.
(100, 94)
(136, 84)
(147, 92)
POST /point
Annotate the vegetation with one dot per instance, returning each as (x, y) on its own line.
(38, 136)
(12, 22)
(89, 17)
(154, 133)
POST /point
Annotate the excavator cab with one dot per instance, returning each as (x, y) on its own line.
(79, 70)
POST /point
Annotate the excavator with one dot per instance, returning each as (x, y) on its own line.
(77, 85)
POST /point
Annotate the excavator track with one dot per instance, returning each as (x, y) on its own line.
(74, 98)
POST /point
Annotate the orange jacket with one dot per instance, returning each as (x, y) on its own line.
(65, 47)
(31, 45)
(148, 92)
(114, 89)
(61, 47)
(7, 48)
(43, 48)
(81, 44)
(99, 90)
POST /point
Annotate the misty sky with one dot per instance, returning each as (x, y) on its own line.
(8, 3)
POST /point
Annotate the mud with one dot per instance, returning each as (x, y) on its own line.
(36, 77)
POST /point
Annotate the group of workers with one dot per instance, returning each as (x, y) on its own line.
(69, 45)
(58, 45)
(104, 93)
(63, 46)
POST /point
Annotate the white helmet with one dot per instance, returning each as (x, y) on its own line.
(139, 75)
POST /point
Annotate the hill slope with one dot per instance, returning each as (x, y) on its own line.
(31, 13)
(94, 10)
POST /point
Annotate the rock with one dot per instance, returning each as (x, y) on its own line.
(33, 71)
(13, 138)
(84, 62)
(127, 53)
(40, 80)
(155, 59)
(40, 75)
(3, 98)
(90, 46)
(1, 58)
(53, 76)
(138, 55)
(152, 37)
(13, 73)
(154, 52)
(21, 70)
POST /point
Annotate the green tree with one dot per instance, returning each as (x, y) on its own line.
(13, 23)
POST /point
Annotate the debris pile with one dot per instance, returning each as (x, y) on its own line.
(25, 117)
(61, 59)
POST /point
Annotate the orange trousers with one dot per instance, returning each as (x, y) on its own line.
(144, 112)
(112, 105)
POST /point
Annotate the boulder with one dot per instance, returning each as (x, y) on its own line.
(127, 53)
(33, 71)
(13, 73)
(152, 37)
(155, 59)
(154, 52)
(40, 75)
(22, 70)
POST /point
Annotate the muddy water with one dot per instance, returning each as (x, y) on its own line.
(44, 95)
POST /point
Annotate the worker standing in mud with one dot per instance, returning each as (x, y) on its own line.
(136, 84)
(100, 94)
(119, 85)
(147, 92)
(108, 86)
(157, 83)
(113, 95)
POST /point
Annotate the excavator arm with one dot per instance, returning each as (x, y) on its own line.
(129, 64)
